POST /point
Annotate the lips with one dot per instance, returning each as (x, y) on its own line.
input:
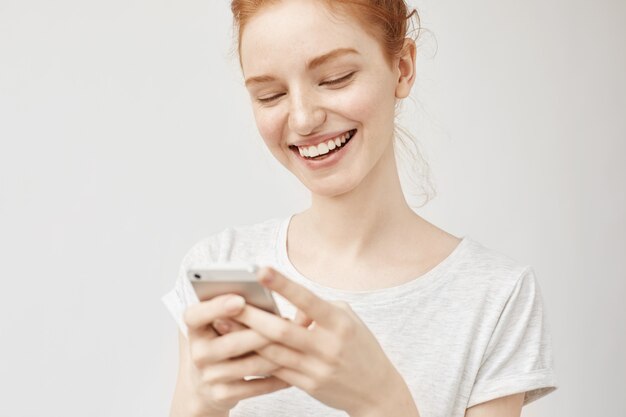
(316, 140)
(320, 149)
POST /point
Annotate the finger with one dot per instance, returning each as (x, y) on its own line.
(310, 304)
(277, 329)
(292, 359)
(246, 389)
(302, 320)
(295, 378)
(224, 326)
(342, 305)
(206, 351)
(199, 316)
(233, 370)
(208, 332)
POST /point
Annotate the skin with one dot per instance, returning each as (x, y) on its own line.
(362, 241)
(360, 236)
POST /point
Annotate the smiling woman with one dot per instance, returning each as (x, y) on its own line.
(388, 314)
(336, 82)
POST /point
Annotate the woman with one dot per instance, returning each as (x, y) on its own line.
(390, 315)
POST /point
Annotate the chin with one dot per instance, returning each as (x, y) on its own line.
(327, 190)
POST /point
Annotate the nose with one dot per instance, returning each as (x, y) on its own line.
(305, 113)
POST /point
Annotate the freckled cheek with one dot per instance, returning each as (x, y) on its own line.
(364, 104)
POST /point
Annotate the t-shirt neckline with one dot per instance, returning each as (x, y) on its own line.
(380, 295)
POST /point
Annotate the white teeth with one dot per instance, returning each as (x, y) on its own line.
(322, 148)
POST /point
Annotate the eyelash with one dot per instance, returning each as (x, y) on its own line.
(338, 80)
(330, 82)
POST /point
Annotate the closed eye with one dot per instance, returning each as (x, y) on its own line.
(269, 99)
(333, 82)
(338, 80)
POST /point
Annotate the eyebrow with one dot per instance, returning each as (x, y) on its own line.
(312, 64)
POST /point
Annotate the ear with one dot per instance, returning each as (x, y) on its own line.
(406, 69)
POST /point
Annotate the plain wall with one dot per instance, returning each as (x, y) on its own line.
(126, 136)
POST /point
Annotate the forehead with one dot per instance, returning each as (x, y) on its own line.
(289, 33)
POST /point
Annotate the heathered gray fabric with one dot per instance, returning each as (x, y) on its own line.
(470, 330)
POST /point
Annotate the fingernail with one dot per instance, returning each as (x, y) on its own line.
(234, 303)
(221, 326)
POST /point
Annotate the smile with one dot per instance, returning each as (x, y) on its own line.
(327, 147)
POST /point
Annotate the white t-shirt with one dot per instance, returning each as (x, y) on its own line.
(470, 330)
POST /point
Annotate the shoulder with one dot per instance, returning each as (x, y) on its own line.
(243, 242)
(485, 270)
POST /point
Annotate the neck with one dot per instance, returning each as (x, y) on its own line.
(359, 221)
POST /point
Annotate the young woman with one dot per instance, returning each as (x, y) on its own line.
(387, 315)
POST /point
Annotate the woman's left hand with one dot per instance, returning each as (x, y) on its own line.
(336, 359)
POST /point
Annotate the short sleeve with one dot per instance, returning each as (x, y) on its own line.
(518, 357)
(182, 294)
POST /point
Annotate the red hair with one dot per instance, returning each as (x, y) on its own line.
(386, 20)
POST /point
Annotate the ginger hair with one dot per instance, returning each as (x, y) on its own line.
(388, 21)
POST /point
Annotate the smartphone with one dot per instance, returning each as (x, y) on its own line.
(231, 278)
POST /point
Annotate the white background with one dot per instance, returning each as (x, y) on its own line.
(126, 136)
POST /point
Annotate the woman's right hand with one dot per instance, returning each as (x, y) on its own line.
(220, 362)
